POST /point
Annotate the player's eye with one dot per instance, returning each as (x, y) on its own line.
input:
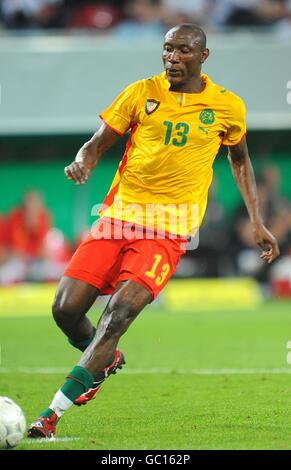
(168, 49)
(185, 50)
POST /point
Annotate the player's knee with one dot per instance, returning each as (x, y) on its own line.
(64, 311)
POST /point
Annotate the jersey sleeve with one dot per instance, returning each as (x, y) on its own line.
(236, 124)
(122, 113)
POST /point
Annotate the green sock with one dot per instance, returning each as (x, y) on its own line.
(47, 413)
(82, 345)
(78, 381)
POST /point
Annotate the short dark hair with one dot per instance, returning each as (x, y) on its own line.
(196, 30)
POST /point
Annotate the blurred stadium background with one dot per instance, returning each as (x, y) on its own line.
(62, 62)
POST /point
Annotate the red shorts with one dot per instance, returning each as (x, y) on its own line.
(105, 262)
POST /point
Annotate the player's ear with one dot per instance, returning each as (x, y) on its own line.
(204, 55)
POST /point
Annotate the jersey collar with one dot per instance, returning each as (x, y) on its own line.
(205, 97)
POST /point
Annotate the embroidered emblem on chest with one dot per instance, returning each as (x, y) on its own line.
(207, 116)
(151, 106)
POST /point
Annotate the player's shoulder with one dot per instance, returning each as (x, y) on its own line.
(224, 95)
(147, 82)
(134, 85)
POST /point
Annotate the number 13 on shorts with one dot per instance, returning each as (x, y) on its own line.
(158, 272)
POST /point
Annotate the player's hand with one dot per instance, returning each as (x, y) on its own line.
(81, 168)
(77, 172)
(267, 242)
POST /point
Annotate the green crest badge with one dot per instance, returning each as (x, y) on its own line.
(207, 116)
(151, 106)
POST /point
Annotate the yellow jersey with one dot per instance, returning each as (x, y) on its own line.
(166, 170)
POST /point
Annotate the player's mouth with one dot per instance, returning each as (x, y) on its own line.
(172, 72)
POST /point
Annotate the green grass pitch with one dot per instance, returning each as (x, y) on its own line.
(201, 380)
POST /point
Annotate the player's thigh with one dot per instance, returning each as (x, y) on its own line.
(74, 297)
(151, 263)
(97, 262)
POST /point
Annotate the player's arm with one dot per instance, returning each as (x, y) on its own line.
(243, 174)
(87, 157)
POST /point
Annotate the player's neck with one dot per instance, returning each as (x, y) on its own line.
(194, 85)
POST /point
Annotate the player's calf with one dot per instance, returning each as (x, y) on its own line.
(114, 322)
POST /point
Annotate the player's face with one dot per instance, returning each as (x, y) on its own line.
(182, 57)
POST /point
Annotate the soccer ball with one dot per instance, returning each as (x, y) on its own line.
(12, 423)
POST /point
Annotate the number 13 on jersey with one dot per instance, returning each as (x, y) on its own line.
(182, 129)
(158, 273)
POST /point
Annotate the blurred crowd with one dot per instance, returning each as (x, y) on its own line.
(143, 17)
(227, 248)
(31, 249)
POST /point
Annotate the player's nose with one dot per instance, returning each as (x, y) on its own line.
(174, 57)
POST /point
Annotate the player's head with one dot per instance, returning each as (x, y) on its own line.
(184, 52)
